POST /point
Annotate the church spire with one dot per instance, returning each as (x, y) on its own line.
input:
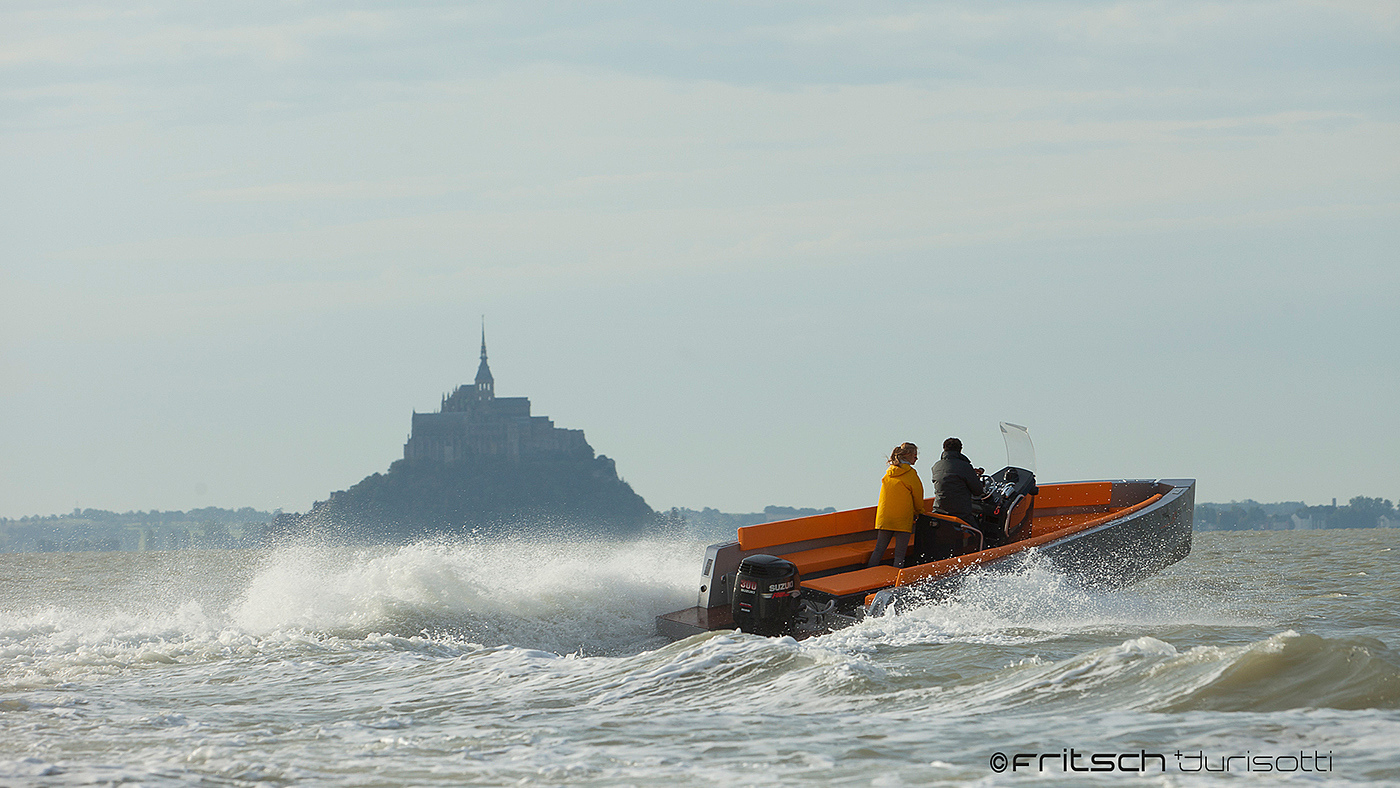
(485, 385)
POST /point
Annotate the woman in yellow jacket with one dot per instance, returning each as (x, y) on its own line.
(901, 502)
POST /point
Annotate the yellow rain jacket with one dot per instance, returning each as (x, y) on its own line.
(901, 497)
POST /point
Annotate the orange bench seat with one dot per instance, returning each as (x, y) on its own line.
(817, 526)
(859, 581)
(820, 559)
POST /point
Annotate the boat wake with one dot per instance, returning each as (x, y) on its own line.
(566, 597)
(585, 598)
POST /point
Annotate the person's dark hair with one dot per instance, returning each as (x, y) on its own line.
(952, 444)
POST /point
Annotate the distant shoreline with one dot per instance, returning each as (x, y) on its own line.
(1248, 515)
(216, 528)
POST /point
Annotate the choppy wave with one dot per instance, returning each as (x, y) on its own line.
(593, 597)
(519, 662)
(582, 598)
(578, 618)
(1038, 603)
(1285, 671)
(1291, 670)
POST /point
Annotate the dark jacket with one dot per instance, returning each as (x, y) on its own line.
(955, 484)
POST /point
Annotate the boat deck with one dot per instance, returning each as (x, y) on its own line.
(831, 550)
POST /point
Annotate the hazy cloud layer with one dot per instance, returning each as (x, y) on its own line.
(243, 242)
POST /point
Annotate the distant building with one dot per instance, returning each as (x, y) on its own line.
(476, 425)
(482, 465)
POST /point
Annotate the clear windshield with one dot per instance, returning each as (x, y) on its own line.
(1020, 452)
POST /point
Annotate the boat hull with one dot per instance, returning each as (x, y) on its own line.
(1100, 534)
(1124, 551)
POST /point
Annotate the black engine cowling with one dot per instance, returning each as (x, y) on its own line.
(1009, 505)
(767, 596)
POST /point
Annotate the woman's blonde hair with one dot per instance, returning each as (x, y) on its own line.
(901, 451)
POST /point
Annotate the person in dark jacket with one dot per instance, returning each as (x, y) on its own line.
(956, 483)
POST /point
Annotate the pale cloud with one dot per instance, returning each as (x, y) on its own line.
(295, 40)
(389, 189)
(1096, 179)
(857, 171)
(45, 49)
(97, 37)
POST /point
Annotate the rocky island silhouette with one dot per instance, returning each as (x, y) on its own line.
(481, 465)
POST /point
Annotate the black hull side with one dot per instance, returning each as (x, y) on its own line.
(1125, 551)
(1117, 553)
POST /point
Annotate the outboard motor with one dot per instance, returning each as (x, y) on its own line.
(766, 595)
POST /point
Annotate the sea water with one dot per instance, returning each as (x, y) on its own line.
(537, 663)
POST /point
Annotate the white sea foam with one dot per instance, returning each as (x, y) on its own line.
(560, 596)
(582, 598)
(451, 664)
(1034, 604)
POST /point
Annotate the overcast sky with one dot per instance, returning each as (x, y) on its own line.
(747, 248)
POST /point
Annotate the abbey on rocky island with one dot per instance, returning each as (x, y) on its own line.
(475, 425)
(482, 465)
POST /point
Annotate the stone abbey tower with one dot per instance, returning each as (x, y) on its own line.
(474, 425)
(482, 466)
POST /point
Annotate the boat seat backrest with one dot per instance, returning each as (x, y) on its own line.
(820, 526)
(1056, 496)
(765, 535)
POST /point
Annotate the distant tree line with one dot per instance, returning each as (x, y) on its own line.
(710, 523)
(215, 528)
(85, 530)
(1360, 512)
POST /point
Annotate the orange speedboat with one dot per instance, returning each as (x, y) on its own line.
(809, 575)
